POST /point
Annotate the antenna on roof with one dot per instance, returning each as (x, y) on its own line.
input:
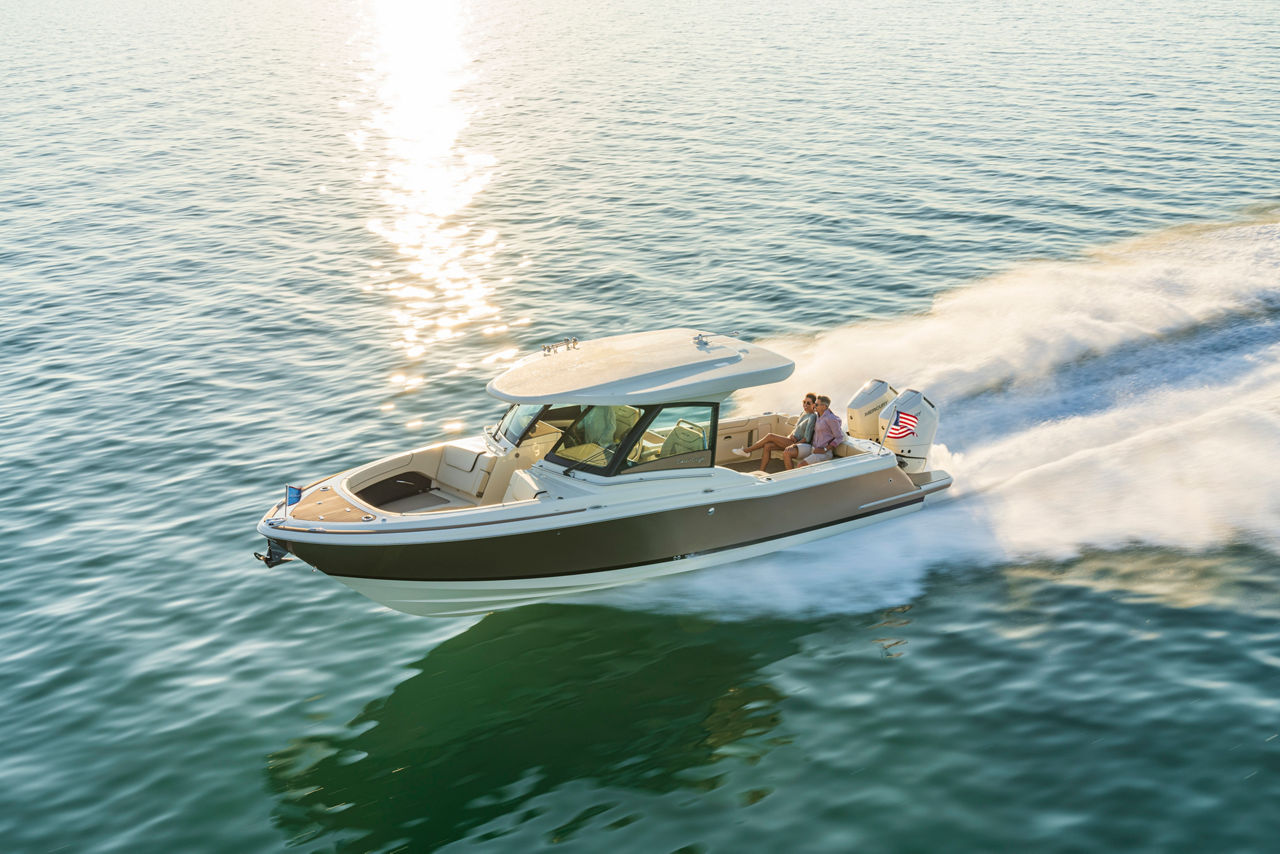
(702, 340)
(568, 344)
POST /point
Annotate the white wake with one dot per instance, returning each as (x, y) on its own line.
(1129, 398)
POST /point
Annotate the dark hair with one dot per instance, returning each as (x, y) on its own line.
(822, 398)
(811, 396)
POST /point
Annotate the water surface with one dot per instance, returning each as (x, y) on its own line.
(244, 245)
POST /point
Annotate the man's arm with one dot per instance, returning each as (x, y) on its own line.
(837, 433)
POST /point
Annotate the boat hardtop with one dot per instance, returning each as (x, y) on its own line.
(641, 368)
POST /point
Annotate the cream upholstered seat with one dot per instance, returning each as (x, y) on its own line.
(683, 439)
(625, 417)
(465, 470)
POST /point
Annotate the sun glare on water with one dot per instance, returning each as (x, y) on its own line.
(419, 64)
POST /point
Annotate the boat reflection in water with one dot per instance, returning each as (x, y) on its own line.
(526, 702)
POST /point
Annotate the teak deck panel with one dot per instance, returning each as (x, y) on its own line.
(325, 505)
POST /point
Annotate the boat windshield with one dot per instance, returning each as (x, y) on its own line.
(593, 438)
(679, 436)
(518, 420)
(673, 436)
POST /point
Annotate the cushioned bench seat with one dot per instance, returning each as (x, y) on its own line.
(465, 469)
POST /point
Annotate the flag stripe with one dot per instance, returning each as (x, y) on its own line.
(904, 424)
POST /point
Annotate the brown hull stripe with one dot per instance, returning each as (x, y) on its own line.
(528, 553)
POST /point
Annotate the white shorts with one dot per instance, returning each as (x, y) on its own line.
(818, 458)
(803, 450)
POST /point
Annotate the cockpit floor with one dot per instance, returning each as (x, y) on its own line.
(417, 503)
(775, 465)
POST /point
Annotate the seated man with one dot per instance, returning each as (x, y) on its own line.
(796, 446)
(828, 433)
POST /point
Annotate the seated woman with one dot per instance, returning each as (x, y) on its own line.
(797, 446)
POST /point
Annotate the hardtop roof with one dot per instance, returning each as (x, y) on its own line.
(662, 366)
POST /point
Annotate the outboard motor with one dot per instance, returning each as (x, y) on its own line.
(863, 411)
(908, 425)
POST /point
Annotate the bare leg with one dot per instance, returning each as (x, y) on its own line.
(772, 439)
(789, 457)
(772, 443)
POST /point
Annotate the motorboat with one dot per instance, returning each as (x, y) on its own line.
(613, 463)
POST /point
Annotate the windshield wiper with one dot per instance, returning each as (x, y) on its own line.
(585, 460)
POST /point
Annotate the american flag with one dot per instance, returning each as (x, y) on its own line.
(904, 424)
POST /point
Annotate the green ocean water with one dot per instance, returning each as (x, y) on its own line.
(244, 245)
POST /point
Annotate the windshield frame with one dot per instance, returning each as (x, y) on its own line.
(500, 432)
